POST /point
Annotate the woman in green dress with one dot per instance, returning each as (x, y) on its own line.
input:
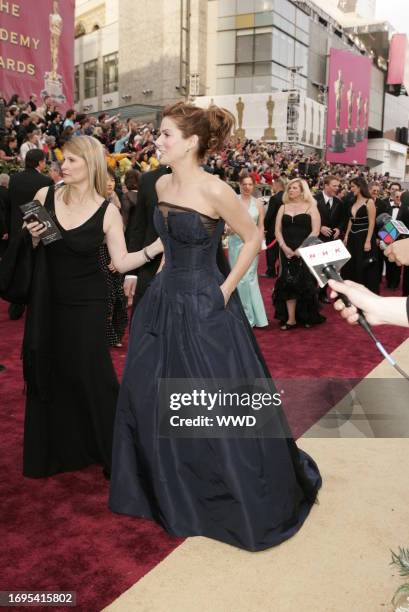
(248, 288)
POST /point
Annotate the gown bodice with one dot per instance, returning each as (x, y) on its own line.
(295, 229)
(190, 238)
(74, 261)
(360, 222)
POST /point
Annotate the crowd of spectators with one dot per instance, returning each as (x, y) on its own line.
(130, 144)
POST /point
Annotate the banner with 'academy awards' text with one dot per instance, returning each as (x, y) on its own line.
(37, 49)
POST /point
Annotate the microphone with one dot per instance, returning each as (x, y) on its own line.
(324, 260)
(390, 229)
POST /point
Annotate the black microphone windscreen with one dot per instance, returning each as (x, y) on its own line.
(310, 241)
(383, 219)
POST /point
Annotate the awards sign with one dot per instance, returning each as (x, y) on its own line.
(37, 49)
(348, 107)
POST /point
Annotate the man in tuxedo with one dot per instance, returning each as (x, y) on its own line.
(141, 232)
(274, 204)
(399, 211)
(390, 200)
(22, 188)
(333, 217)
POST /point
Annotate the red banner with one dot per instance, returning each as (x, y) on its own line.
(37, 49)
(398, 69)
(349, 84)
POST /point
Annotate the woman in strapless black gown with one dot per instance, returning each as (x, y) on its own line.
(295, 295)
(360, 239)
(250, 492)
(71, 384)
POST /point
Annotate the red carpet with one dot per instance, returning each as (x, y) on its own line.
(58, 533)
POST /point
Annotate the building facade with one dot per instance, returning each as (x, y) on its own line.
(139, 55)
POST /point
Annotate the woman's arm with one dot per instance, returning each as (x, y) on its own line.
(370, 206)
(315, 220)
(279, 236)
(114, 234)
(347, 232)
(234, 212)
(260, 222)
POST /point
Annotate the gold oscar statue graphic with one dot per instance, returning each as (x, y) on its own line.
(311, 141)
(351, 134)
(53, 84)
(359, 127)
(269, 132)
(240, 133)
(318, 141)
(337, 137)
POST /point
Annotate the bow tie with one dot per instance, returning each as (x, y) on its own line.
(395, 206)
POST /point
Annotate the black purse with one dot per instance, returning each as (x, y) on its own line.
(292, 272)
(16, 269)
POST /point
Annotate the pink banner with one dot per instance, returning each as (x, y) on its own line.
(349, 84)
(37, 49)
(398, 69)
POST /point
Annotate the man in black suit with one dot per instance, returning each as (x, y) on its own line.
(22, 188)
(399, 211)
(274, 204)
(333, 217)
(140, 233)
(390, 200)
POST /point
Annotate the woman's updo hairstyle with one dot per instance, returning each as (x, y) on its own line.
(213, 125)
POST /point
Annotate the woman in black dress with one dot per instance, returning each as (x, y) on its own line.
(360, 238)
(71, 384)
(190, 326)
(295, 295)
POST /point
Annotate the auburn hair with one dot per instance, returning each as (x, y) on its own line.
(211, 125)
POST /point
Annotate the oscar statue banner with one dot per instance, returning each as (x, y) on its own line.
(348, 107)
(37, 49)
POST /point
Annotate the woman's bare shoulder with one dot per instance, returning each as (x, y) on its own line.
(161, 183)
(216, 188)
(41, 194)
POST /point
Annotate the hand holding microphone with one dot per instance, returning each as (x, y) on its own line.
(357, 303)
(398, 252)
(359, 297)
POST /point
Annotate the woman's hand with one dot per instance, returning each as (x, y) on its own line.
(155, 248)
(398, 252)
(367, 246)
(36, 229)
(226, 293)
(361, 297)
(111, 267)
(289, 253)
(345, 241)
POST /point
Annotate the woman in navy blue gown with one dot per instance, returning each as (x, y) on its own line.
(252, 493)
